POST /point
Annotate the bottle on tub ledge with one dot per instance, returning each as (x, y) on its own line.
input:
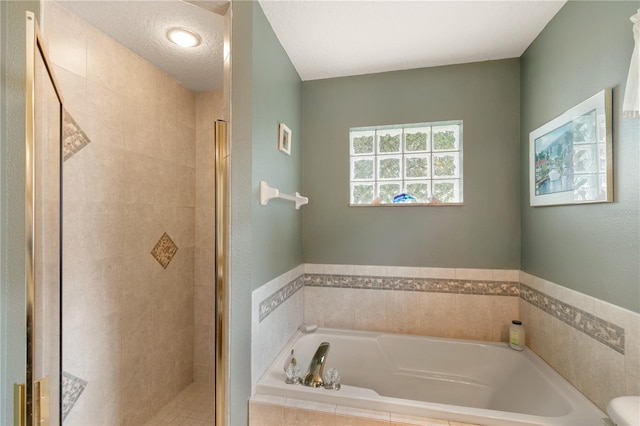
(292, 371)
(516, 335)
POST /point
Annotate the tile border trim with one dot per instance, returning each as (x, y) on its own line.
(277, 298)
(603, 331)
(428, 285)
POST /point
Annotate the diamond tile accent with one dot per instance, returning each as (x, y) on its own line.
(73, 138)
(164, 250)
(72, 388)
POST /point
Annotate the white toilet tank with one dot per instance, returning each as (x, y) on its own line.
(625, 410)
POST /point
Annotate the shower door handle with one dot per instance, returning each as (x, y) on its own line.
(41, 402)
(19, 405)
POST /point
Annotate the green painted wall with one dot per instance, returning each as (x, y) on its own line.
(593, 249)
(265, 241)
(483, 233)
(277, 97)
(12, 200)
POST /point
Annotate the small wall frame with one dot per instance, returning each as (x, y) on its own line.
(284, 140)
(570, 157)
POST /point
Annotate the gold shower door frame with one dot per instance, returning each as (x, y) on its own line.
(221, 271)
(33, 399)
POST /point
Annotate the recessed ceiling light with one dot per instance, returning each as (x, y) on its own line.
(183, 38)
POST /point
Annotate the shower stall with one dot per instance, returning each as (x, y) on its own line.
(129, 230)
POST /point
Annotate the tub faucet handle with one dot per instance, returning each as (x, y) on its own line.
(315, 372)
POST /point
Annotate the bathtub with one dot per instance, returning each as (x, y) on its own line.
(460, 380)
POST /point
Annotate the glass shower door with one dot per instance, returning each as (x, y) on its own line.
(43, 233)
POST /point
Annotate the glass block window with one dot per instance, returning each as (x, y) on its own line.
(406, 164)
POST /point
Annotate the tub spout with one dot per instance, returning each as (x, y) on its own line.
(314, 375)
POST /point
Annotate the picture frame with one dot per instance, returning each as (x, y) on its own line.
(570, 157)
(284, 140)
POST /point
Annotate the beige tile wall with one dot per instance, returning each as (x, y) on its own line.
(464, 316)
(128, 322)
(271, 334)
(209, 107)
(287, 412)
(596, 370)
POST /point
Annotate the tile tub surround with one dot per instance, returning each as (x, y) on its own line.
(277, 312)
(593, 344)
(463, 303)
(267, 410)
(460, 303)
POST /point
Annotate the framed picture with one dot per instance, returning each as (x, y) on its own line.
(284, 141)
(570, 160)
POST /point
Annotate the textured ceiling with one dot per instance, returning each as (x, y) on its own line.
(141, 25)
(327, 38)
(338, 38)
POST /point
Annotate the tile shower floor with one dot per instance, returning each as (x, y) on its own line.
(194, 406)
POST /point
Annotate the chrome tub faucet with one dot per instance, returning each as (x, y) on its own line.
(315, 372)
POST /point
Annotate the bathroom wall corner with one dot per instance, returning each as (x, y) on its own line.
(276, 313)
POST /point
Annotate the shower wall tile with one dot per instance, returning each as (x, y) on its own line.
(205, 267)
(102, 54)
(179, 223)
(176, 144)
(205, 149)
(76, 95)
(177, 103)
(205, 228)
(204, 309)
(205, 188)
(96, 175)
(129, 324)
(207, 110)
(66, 43)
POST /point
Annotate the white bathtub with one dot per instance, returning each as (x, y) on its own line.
(461, 380)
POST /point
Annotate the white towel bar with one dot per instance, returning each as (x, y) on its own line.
(267, 193)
